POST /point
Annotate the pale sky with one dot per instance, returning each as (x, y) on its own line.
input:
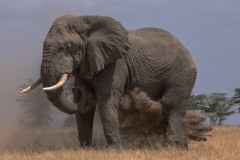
(210, 29)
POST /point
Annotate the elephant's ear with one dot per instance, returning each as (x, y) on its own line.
(107, 41)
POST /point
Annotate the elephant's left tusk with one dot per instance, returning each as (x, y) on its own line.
(34, 85)
(59, 84)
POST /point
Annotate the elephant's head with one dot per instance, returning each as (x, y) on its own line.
(81, 46)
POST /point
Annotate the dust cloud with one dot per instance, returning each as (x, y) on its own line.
(37, 139)
(141, 121)
(40, 139)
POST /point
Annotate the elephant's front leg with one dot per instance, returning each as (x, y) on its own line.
(109, 90)
(86, 102)
(109, 116)
(85, 128)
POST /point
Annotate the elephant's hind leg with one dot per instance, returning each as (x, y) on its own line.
(175, 124)
(174, 107)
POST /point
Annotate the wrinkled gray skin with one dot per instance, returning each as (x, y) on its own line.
(109, 61)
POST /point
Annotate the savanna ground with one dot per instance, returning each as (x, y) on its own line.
(223, 145)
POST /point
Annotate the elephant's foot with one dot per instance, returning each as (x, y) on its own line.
(178, 142)
(85, 144)
(86, 147)
(115, 146)
(164, 141)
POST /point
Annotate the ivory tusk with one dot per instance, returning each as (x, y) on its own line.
(34, 85)
(59, 84)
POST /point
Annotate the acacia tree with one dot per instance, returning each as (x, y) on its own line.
(36, 107)
(197, 102)
(237, 96)
(217, 106)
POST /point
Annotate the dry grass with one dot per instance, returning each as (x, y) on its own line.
(224, 145)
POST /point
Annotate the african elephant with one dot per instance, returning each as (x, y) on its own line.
(109, 60)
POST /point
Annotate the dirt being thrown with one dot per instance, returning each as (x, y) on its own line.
(140, 120)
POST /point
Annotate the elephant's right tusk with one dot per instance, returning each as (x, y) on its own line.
(59, 84)
(34, 85)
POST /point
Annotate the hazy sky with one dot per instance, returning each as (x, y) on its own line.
(210, 29)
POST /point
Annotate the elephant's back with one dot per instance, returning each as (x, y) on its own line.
(155, 57)
(165, 42)
(156, 43)
(149, 33)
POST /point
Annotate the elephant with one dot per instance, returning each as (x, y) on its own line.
(110, 61)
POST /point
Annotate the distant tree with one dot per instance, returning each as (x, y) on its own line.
(197, 102)
(237, 92)
(236, 96)
(217, 106)
(36, 107)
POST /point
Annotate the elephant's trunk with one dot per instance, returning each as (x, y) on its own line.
(59, 99)
(50, 76)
